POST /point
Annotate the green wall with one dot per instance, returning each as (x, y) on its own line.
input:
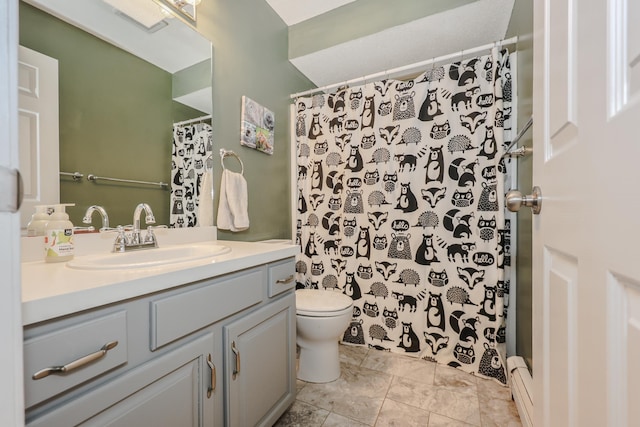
(521, 25)
(116, 115)
(250, 58)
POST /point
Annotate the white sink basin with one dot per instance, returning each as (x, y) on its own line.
(146, 258)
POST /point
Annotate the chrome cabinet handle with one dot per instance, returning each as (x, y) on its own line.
(76, 363)
(212, 387)
(236, 352)
(284, 281)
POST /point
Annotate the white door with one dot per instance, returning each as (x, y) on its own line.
(38, 130)
(11, 389)
(586, 290)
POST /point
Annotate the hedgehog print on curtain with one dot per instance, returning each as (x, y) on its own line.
(400, 189)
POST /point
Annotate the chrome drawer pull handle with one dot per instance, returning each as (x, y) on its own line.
(76, 363)
(284, 281)
(235, 351)
(212, 387)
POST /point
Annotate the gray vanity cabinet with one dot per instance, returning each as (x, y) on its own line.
(167, 391)
(215, 352)
(259, 364)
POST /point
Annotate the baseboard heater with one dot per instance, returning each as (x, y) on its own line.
(521, 389)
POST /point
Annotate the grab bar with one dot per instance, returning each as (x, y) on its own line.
(507, 152)
(95, 178)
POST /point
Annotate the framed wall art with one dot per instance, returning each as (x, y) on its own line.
(257, 126)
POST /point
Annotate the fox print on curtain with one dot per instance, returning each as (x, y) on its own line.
(190, 158)
(400, 189)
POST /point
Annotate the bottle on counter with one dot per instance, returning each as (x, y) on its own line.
(58, 238)
(38, 223)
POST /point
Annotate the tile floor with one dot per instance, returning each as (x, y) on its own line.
(385, 389)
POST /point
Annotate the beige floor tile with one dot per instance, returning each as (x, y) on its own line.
(402, 366)
(400, 415)
(454, 379)
(301, 414)
(459, 406)
(436, 420)
(499, 413)
(491, 389)
(335, 420)
(439, 399)
(397, 390)
(410, 392)
(357, 394)
(353, 354)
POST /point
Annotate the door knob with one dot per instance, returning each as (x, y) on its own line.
(515, 200)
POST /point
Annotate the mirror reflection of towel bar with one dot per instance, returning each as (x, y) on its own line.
(77, 176)
(95, 178)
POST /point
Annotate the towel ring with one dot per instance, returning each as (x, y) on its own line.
(224, 153)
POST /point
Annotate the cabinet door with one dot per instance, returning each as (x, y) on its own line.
(170, 390)
(260, 364)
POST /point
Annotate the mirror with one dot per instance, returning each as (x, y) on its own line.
(124, 80)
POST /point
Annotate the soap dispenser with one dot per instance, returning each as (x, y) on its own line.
(58, 239)
(38, 221)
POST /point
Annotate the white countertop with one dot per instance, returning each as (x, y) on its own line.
(50, 290)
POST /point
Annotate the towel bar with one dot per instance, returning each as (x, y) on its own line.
(224, 153)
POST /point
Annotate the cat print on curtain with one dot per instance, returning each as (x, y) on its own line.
(190, 158)
(400, 189)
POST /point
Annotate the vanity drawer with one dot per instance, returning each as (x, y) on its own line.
(281, 276)
(83, 350)
(179, 315)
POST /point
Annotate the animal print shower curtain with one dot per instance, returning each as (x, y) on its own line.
(190, 158)
(400, 188)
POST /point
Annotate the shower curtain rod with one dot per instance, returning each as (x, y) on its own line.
(406, 68)
(197, 119)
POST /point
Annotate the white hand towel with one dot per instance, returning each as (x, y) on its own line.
(233, 211)
(205, 201)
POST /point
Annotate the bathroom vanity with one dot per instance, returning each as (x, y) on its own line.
(207, 342)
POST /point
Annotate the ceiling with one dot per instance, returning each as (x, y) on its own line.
(475, 24)
(294, 11)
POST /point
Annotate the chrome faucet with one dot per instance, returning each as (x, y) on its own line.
(103, 213)
(136, 238)
(127, 242)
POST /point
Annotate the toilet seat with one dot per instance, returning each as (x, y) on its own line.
(321, 303)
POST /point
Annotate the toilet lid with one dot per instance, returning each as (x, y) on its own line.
(314, 302)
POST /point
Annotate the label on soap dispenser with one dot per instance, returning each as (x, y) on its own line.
(58, 243)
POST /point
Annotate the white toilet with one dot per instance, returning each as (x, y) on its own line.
(321, 319)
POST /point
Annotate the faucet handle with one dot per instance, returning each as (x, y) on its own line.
(150, 237)
(121, 241)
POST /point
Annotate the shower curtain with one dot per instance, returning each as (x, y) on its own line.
(400, 188)
(190, 160)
